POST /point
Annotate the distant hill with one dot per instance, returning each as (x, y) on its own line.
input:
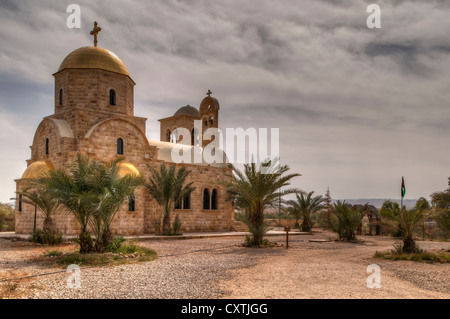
(378, 202)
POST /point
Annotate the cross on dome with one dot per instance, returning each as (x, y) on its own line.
(95, 32)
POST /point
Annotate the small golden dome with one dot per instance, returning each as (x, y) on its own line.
(38, 169)
(126, 168)
(94, 58)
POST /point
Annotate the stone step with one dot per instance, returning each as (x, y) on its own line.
(239, 227)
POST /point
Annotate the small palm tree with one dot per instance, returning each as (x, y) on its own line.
(37, 196)
(406, 222)
(93, 192)
(112, 190)
(168, 187)
(345, 219)
(257, 188)
(73, 189)
(305, 206)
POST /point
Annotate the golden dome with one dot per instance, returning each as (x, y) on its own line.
(128, 169)
(38, 169)
(94, 58)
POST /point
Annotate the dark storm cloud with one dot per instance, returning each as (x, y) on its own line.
(404, 55)
(20, 95)
(353, 105)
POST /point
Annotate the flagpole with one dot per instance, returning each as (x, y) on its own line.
(402, 193)
(401, 196)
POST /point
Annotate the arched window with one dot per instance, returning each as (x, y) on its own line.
(205, 122)
(187, 202)
(119, 146)
(214, 199)
(168, 135)
(47, 146)
(60, 96)
(193, 137)
(132, 203)
(112, 97)
(178, 205)
(206, 199)
(20, 203)
(211, 120)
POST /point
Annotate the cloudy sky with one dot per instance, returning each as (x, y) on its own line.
(357, 108)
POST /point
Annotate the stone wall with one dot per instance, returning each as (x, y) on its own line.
(92, 127)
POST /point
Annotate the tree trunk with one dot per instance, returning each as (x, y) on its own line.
(107, 238)
(166, 224)
(48, 224)
(409, 245)
(305, 225)
(85, 242)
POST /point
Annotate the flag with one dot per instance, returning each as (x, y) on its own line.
(403, 187)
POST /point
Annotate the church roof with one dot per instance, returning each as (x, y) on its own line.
(94, 58)
(189, 110)
(38, 169)
(126, 168)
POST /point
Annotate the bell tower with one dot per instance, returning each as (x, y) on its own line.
(209, 114)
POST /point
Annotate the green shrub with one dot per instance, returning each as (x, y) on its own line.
(250, 242)
(420, 255)
(345, 219)
(176, 225)
(6, 217)
(128, 248)
(115, 245)
(52, 253)
(443, 221)
(48, 237)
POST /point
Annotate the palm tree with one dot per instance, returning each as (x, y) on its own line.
(113, 190)
(93, 192)
(42, 199)
(304, 207)
(168, 187)
(257, 188)
(406, 222)
(74, 191)
(345, 219)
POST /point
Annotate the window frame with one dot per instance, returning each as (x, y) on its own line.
(132, 203)
(112, 97)
(47, 146)
(206, 201)
(120, 146)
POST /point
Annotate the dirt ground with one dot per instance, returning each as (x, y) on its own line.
(221, 268)
(339, 270)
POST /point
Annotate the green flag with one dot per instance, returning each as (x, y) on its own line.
(403, 187)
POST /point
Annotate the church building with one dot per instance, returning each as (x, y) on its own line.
(94, 116)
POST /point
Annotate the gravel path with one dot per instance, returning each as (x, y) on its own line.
(219, 268)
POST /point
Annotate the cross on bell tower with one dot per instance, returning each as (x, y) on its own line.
(209, 93)
(95, 32)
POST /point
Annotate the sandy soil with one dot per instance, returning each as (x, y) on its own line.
(220, 268)
(338, 270)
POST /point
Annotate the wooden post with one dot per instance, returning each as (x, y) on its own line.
(287, 229)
